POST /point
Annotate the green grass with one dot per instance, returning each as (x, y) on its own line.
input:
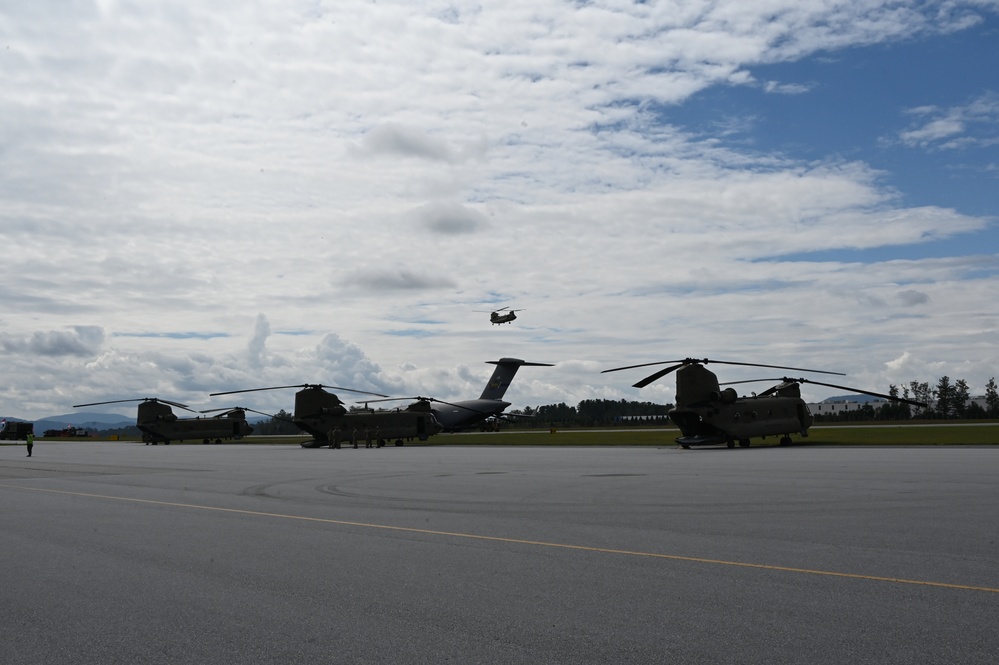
(915, 435)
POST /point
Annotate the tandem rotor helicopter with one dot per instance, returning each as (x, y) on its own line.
(497, 318)
(707, 414)
(159, 424)
(323, 415)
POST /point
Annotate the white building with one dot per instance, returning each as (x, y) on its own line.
(833, 408)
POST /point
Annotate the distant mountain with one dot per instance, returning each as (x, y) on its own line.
(853, 398)
(85, 420)
(91, 420)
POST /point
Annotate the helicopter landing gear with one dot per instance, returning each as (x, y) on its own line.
(785, 441)
(398, 442)
(743, 443)
(731, 444)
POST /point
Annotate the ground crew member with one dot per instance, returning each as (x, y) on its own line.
(31, 442)
(335, 438)
(367, 437)
(353, 438)
(378, 437)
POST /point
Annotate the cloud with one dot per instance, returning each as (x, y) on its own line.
(396, 140)
(450, 218)
(974, 124)
(393, 139)
(81, 341)
(257, 347)
(399, 280)
(912, 297)
(785, 88)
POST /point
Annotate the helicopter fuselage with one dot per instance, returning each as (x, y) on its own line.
(708, 415)
(322, 415)
(381, 425)
(744, 419)
(502, 318)
(159, 424)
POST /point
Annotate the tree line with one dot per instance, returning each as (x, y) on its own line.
(946, 400)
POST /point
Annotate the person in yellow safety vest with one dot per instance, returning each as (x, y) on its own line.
(31, 442)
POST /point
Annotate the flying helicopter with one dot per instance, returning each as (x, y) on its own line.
(707, 414)
(456, 416)
(497, 318)
(323, 415)
(158, 423)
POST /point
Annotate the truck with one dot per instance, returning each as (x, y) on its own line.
(14, 431)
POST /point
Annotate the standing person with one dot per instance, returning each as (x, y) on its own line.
(367, 437)
(353, 438)
(335, 439)
(31, 442)
(378, 437)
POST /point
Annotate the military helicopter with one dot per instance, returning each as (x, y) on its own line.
(158, 423)
(323, 415)
(707, 414)
(496, 318)
(457, 416)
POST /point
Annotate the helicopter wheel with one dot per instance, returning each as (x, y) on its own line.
(398, 442)
(730, 443)
(218, 441)
(785, 441)
(204, 442)
(685, 446)
(743, 443)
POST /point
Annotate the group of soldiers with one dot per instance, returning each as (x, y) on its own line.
(375, 441)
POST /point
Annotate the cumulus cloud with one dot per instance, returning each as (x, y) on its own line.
(78, 341)
(256, 348)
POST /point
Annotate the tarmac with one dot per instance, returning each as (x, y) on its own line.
(116, 552)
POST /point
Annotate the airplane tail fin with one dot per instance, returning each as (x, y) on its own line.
(505, 370)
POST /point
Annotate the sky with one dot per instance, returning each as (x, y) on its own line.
(212, 196)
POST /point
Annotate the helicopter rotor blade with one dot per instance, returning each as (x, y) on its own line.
(734, 383)
(253, 390)
(139, 399)
(797, 369)
(921, 405)
(420, 398)
(301, 385)
(244, 408)
(659, 362)
(786, 380)
(708, 361)
(658, 375)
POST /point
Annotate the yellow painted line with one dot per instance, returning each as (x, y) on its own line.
(520, 541)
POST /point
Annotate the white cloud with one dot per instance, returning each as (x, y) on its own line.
(953, 127)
